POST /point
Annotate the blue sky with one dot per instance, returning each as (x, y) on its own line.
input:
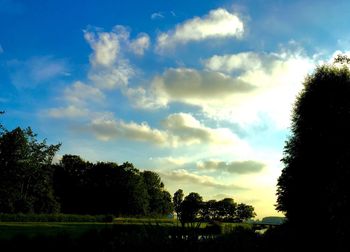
(198, 91)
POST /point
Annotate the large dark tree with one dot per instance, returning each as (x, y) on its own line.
(26, 172)
(314, 185)
(160, 202)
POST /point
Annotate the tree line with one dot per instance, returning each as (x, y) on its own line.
(31, 183)
(192, 209)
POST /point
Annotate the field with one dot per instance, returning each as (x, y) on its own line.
(74, 230)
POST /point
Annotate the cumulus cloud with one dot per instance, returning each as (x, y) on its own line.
(217, 23)
(178, 130)
(239, 167)
(181, 176)
(109, 66)
(140, 44)
(37, 70)
(240, 88)
(189, 86)
(105, 47)
(186, 129)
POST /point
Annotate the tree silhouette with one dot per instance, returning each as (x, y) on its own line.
(177, 199)
(314, 185)
(190, 208)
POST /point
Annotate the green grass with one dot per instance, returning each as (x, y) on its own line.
(9, 230)
(74, 230)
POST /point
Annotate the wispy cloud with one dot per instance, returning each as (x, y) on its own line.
(157, 15)
(80, 94)
(37, 70)
(70, 111)
(217, 23)
(238, 167)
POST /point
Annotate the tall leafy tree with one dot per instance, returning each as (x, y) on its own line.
(26, 172)
(177, 199)
(159, 200)
(314, 185)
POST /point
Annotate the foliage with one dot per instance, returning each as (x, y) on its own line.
(109, 188)
(26, 173)
(194, 209)
(314, 185)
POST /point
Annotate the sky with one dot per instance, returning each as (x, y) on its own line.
(199, 91)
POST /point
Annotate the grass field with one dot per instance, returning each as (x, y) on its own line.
(9, 230)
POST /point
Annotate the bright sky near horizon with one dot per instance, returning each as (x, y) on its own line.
(198, 91)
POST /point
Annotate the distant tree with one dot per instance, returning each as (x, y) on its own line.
(26, 172)
(226, 209)
(244, 212)
(209, 210)
(190, 208)
(177, 199)
(314, 185)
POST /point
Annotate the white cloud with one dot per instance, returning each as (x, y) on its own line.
(105, 46)
(140, 44)
(186, 129)
(190, 86)
(245, 61)
(178, 130)
(80, 94)
(109, 66)
(114, 77)
(70, 111)
(37, 70)
(182, 176)
(241, 88)
(239, 167)
(157, 15)
(106, 129)
(218, 23)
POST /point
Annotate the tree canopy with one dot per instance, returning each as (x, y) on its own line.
(193, 209)
(314, 184)
(26, 172)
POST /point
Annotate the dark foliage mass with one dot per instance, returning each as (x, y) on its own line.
(30, 183)
(101, 188)
(192, 209)
(314, 188)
